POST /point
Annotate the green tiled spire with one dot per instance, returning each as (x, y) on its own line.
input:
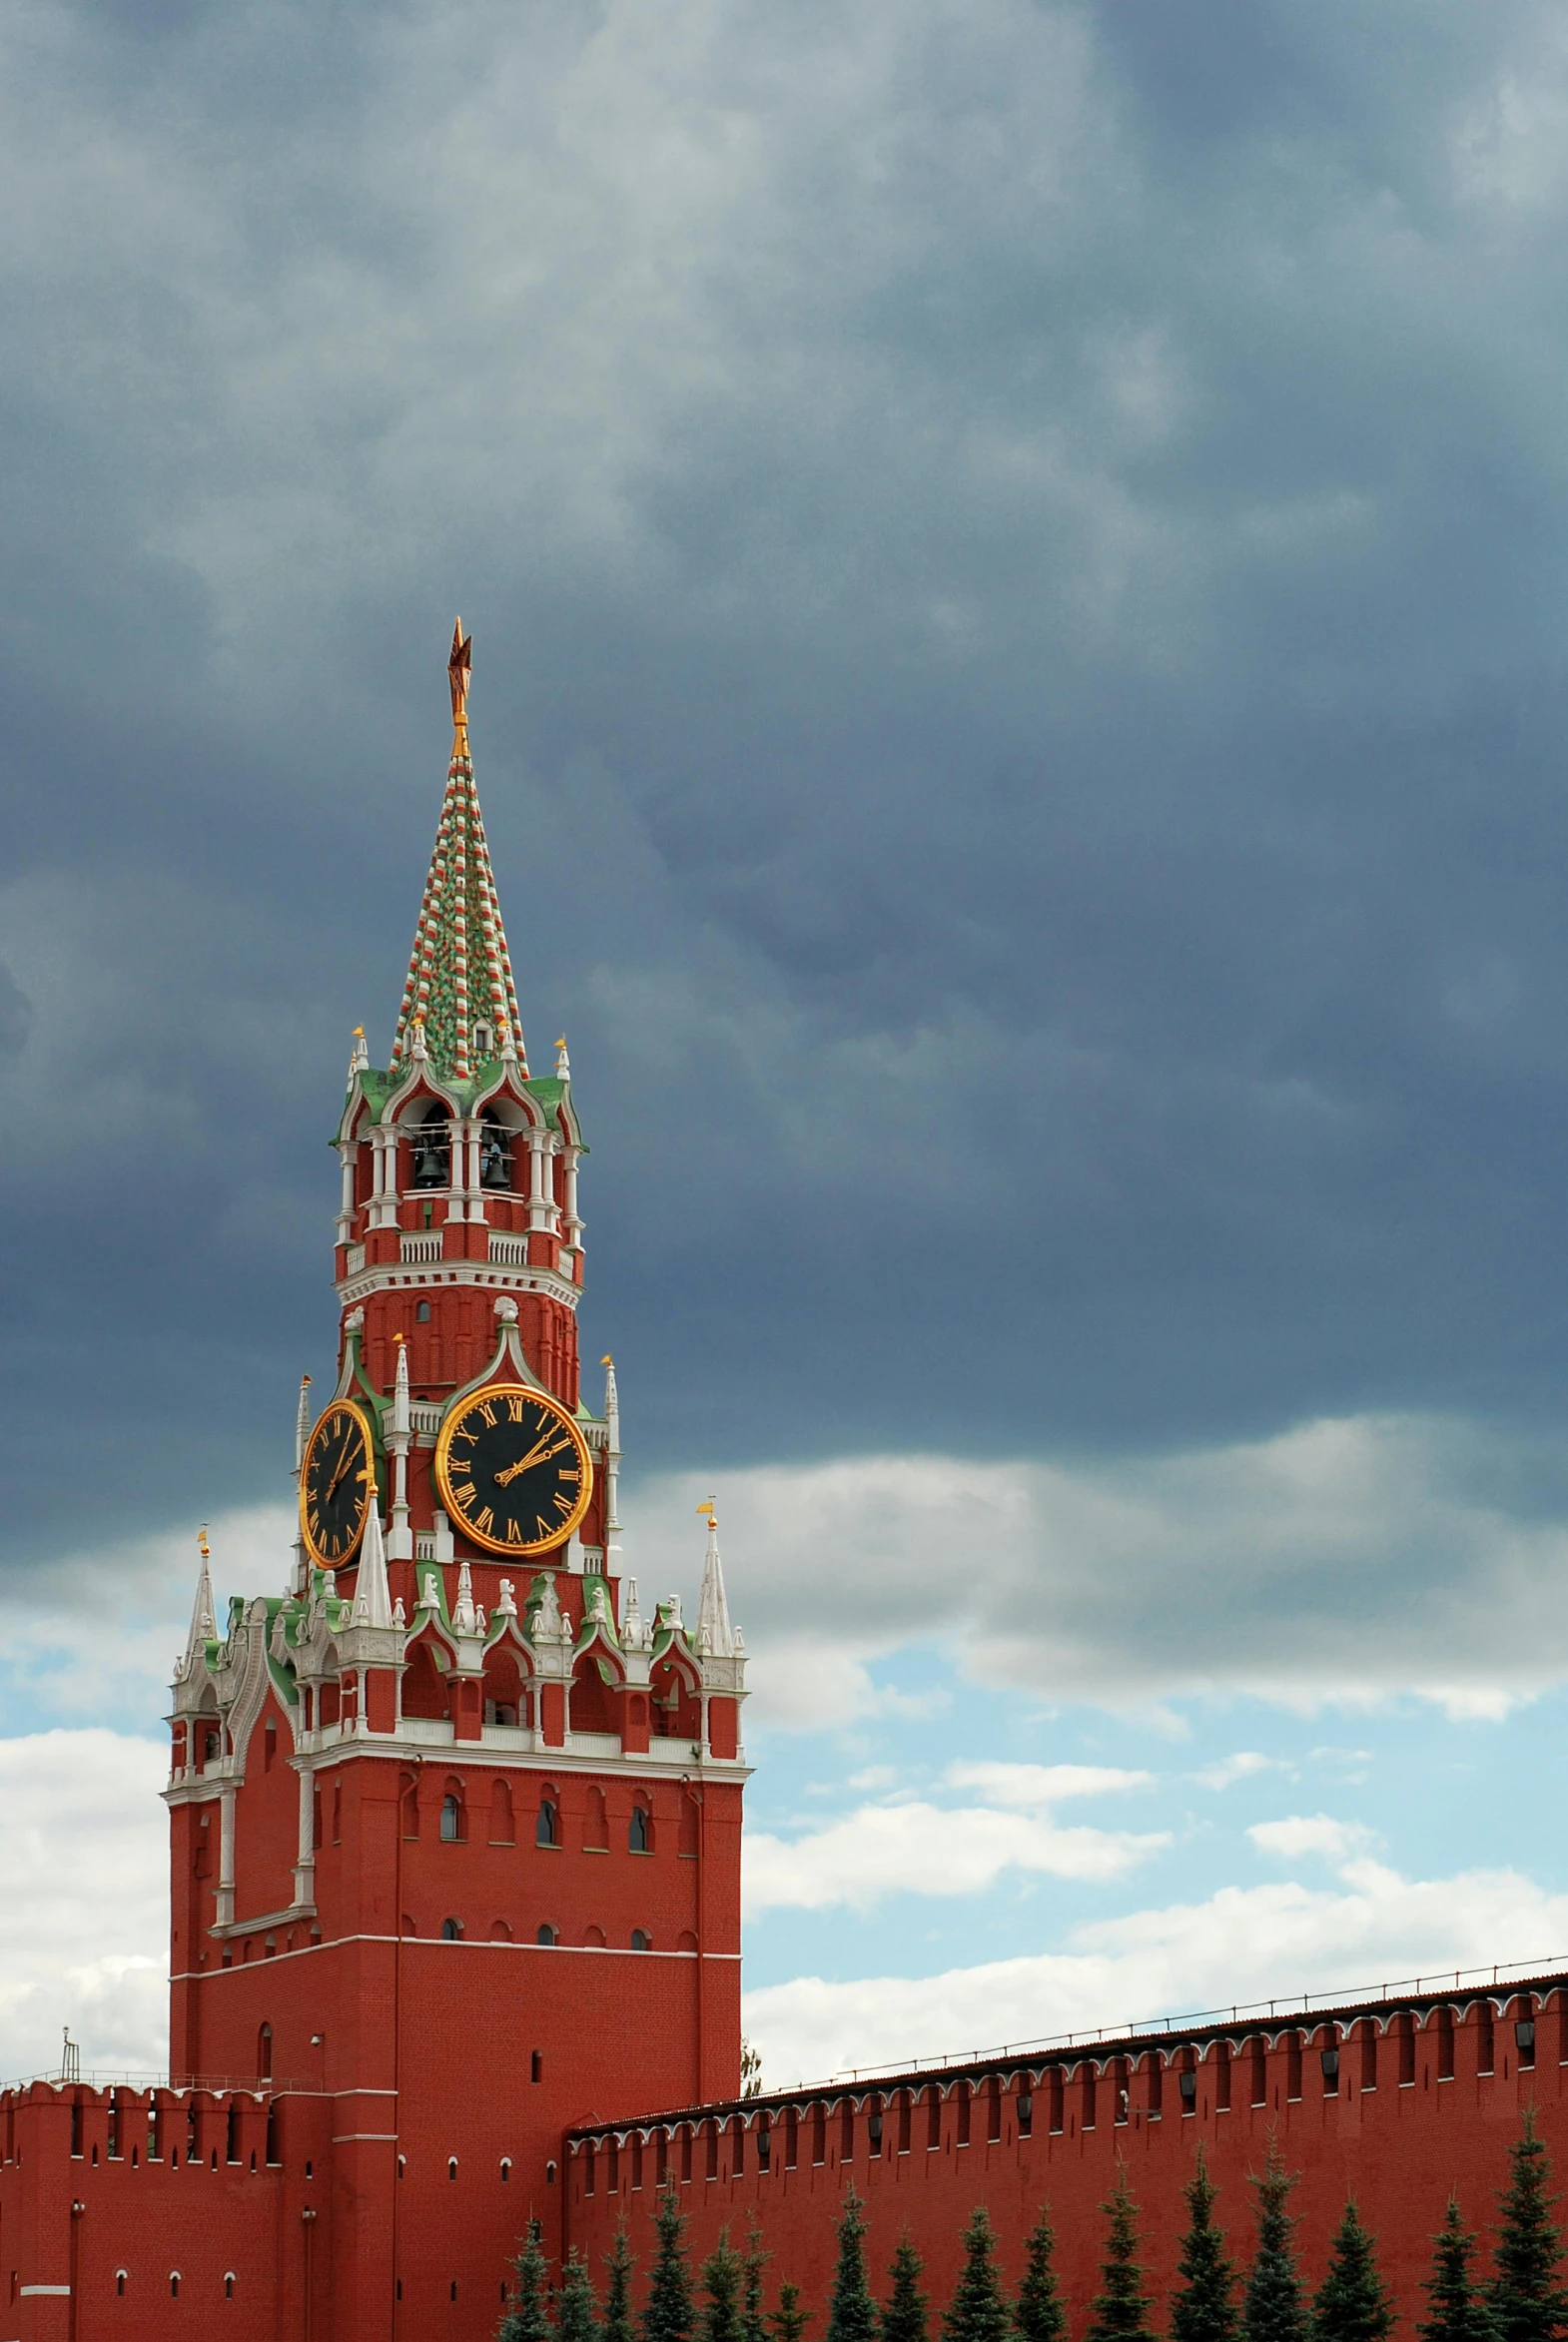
(460, 974)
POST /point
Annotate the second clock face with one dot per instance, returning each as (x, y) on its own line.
(337, 1482)
(513, 1469)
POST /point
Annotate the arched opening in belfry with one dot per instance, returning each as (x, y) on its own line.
(496, 1158)
(430, 1164)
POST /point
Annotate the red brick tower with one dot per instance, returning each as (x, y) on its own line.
(455, 1828)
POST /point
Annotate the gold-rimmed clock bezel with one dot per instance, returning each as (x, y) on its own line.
(562, 1414)
(344, 1560)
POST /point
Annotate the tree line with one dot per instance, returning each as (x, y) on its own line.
(1518, 2300)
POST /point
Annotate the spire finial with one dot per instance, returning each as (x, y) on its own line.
(460, 667)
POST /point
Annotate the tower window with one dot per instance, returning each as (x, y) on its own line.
(454, 1830)
(451, 2166)
(641, 1940)
(639, 1836)
(452, 1930)
(547, 1933)
(264, 2053)
(536, 2070)
(422, 1315)
(548, 1830)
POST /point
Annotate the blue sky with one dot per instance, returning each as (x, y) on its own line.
(1017, 559)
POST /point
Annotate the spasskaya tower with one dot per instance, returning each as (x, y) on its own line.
(455, 1822)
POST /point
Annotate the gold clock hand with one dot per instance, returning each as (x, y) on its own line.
(336, 1477)
(539, 1455)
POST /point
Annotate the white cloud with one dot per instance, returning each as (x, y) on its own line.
(84, 1919)
(1341, 1562)
(1303, 1834)
(116, 1616)
(1374, 1928)
(1042, 1785)
(919, 1848)
(1242, 1767)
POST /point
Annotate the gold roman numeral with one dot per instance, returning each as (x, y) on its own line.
(467, 1493)
(515, 1409)
(561, 1503)
(484, 1521)
(514, 1533)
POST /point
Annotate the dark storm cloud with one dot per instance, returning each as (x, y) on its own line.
(1017, 562)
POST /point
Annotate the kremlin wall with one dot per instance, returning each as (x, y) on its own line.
(455, 1849)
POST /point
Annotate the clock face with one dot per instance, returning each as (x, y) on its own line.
(513, 1469)
(337, 1485)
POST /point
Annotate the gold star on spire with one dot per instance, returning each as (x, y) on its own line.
(460, 667)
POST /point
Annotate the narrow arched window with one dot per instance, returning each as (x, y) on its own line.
(453, 1830)
(229, 2285)
(641, 1940)
(506, 2169)
(548, 1830)
(174, 2284)
(421, 1315)
(452, 1930)
(264, 2053)
(119, 2281)
(641, 1835)
(547, 1935)
(451, 2166)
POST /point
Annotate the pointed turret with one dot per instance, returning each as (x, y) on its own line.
(459, 1005)
(371, 1593)
(715, 1635)
(204, 1621)
(611, 1469)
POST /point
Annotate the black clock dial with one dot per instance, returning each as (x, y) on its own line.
(513, 1469)
(336, 1484)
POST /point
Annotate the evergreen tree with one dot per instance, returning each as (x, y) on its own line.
(1273, 2310)
(903, 2318)
(1527, 2303)
(1352, 2304)
(1204, 2307)
(1037, 2314)
(721, 2283)
(753, 2262)
(577, 2312)
(1460, 2309)
(852, 2315)
(667, 2312)
(1121, 2308)
(527, 2317)
(619, 2262)
(977, 2312)
(789, 2321)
